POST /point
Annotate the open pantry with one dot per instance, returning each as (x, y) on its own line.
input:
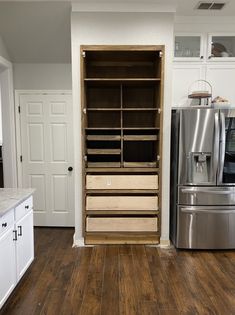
(122, 94)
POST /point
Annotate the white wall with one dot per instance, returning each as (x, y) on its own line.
(121, 29)
(3, 50)
(42, 76)
(204, 24)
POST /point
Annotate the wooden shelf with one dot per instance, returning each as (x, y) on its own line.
(141, 128)
(143, 109)
(135, 109)
(122, 79)
(97, 165)
(112, 109)
(102, 128)
(140, 138)
(104, 151)
(103, 138)
(140, 164)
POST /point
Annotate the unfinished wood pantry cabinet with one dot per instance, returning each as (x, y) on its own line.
(122, 92)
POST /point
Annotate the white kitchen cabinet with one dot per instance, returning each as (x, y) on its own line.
(221, 77)
(221, 47)
(184, 75)
(16, 246)
(189, 47)
(24, 244)
(7, 264)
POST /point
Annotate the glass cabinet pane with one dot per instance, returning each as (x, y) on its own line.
(223, 46)
(187, 46)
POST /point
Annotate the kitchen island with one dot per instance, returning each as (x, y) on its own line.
(16, 237)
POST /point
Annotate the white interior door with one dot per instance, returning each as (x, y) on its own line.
(47, 155)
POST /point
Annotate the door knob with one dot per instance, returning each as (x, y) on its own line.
(70, 168)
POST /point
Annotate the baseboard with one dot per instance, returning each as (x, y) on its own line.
(165, 243)
(78, 242)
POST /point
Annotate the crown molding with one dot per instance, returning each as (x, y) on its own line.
(123, 6)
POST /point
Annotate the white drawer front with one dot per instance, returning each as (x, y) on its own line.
(121, 225)
(137, 203)
(23, 208)
(122, 181)
(6, 221)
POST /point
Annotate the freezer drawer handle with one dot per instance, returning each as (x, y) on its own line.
(194, 211)
(226, 192)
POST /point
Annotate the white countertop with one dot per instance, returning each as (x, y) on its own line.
(12, 197)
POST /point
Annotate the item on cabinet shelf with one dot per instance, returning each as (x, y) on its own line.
(200, 94)
(219, 50)
(220, 102)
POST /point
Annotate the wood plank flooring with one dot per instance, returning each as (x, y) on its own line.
(122, 280)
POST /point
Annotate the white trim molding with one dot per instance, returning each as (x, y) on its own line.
(123, 6)
(165, 243)
(78, 242)
(8, 123)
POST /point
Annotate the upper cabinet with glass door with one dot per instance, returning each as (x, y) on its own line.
(221, 47)
(188, 47)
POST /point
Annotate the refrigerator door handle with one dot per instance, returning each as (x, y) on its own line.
(216, 145)
(193, 210)
(222, 148)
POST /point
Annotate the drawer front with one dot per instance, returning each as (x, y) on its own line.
(122, 182)
(142, 203)
(23, 208)
(121, 225)
(6, 221)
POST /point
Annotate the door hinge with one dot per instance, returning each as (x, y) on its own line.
(160, 54)
(19, 109)
(158, 157)
(21, 158)
(159, 110)
(83, 54)
(85, 158)
(84, 110)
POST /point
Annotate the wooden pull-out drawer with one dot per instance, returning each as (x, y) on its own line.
(137, 203)
(122, 181)
(121, 224)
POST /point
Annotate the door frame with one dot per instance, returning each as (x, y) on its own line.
(18, 93)
(8, 124)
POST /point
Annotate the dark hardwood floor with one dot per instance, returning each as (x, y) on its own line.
(125, 280)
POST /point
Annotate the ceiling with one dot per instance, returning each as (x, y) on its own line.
(36, 32)
(39, 31)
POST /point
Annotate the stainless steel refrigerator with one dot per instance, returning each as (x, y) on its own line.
(203, 178)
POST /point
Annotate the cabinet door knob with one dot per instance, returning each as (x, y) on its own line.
(26, 207)
(4, 224)
(201, 57)
(70, 168)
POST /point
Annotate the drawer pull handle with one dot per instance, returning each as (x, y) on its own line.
(26, 207)
(20, 230)
(4, 224)
(15, 235)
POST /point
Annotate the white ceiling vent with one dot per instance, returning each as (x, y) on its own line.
(210, 5)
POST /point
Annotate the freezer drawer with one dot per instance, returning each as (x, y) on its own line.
(202, 196)
(205, 227)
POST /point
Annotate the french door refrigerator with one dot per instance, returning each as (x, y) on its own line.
(203, 178)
